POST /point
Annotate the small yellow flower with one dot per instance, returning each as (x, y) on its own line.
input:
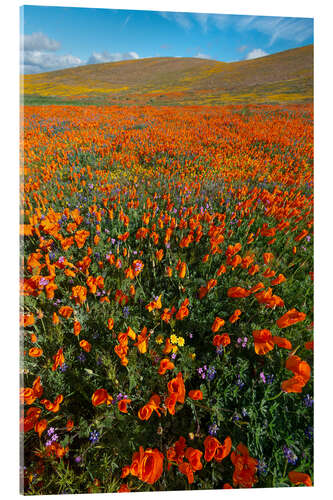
(192, 355)
(181, 341)
(159, 339)
(173, 339)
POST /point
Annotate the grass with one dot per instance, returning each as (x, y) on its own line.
(278, 78)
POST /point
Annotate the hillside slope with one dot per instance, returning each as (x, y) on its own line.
(281, 77)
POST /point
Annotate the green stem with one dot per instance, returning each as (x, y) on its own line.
(275, 397)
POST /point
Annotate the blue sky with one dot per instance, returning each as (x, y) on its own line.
(61, 37)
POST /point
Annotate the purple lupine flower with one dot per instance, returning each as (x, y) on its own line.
(43, 282)
(263, 378)
(173, 355)
(48, 443)
(213, 429)
(50, 431)
(244, 342)
(308, 401)
(290, 455)
(270, 379)
(94, 437)
(54, 437)
(78, 459)
(261, 467)
(81, 357)
(309, 432)
(126, 311)
(211, 372)
(239, 382)
(63, 367)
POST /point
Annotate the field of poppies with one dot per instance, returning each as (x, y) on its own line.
(166, 298)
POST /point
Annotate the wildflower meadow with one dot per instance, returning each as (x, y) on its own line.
(166, 297)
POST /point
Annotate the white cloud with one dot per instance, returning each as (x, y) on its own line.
(35, 61)
(39, 41)
(200, 55)
(255, 53)
(203, 21)
(287, 28)
(180, 18)
(106, 56)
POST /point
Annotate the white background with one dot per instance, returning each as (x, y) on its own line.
(9, 217)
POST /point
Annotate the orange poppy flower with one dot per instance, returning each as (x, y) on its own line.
(77, 328)
(27, 395)
(65, 311)
(69, 425)
(297, 478)
(245, 467)
(176, 386)
(147, 465)
(282, 342)
(37, 387)
(99, 397)
(215, 449)
(235, 316)
(185, 468)
(27, 320)
(223, 340)
(35, 352)
(86, 346)
(237, 292)
(263, 341)
(79, 294)
(81, 237)
(40, 426)
(309, 345)
(131, 333)
(58, 359)
(217, 324)
(196, 395)
(268, 257)
(278, 280)
(145, 412)
(294, 384)
(299, 367)
(290, 318)
(165, 364)
(194, 458)
(123, 488)
(122, 405)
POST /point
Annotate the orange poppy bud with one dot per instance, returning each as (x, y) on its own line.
(69, 425)
(77, 328)
(55, 319)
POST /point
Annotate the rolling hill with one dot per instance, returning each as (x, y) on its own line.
(282, 77)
